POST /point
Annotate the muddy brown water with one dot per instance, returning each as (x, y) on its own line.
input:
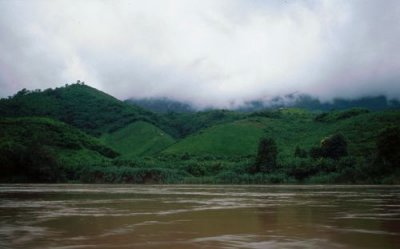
(200, 216)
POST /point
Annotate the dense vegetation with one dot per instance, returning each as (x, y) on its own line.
(77, 104)
(126, 140)
(41, 149)
(77, 133)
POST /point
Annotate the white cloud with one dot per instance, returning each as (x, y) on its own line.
(207, 52)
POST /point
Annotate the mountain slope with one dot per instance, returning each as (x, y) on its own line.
(82, 106)
(138, 139)
(232, 139)
(37, 149)
(184, 124)
(290, 128)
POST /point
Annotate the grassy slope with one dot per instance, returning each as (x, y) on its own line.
(232, 139)
(289, 129)
(184, 124)
(138, 139)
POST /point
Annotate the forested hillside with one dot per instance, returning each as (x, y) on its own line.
(77, 104)
(77, 133)
(43, 150)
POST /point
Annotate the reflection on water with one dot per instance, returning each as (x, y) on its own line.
(181, 216)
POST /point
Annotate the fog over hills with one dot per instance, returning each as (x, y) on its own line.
(308, 102)
(209, 53)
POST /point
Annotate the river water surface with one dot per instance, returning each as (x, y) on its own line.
(186, 216)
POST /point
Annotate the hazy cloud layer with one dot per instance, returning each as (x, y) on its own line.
(205, 51)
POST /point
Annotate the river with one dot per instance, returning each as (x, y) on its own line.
(198, 216)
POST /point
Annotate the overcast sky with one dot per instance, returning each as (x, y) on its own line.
(209, 52)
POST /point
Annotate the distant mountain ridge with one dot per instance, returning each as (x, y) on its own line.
(373, 103)
(162, 105)
(304, 101)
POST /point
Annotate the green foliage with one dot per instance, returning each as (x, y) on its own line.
(334, 146)
(388, 145)
(241, 137)
(315, 152)
(196, 169)
(216, 146)
(138, 139)
(340, 115)
(184, 124)
(300, 152)
(266, 156)
(32, 149)
(327, 170)
(130, 175)
(237, 138)
(79, 105)
(266, 114)
(28, 162)
(302, 169)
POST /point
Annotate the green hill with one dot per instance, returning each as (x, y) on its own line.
(138, 139)
(97, 113)
(232, 139)
(79, 105)
(290, 128)
(136, 145)
(184, 124)
(40, 149)
(240, 138)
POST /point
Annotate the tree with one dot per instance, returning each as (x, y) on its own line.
(22, 92)
(388, 145)
(334, 146)
(266, 156)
